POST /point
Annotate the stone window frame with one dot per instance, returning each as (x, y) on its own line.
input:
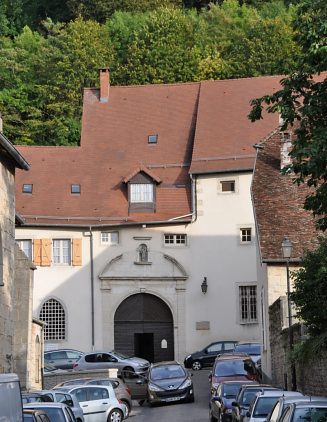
(232, 178)
(243, 319)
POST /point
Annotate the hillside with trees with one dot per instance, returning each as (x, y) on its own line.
(51, 50)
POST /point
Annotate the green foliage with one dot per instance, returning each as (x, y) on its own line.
(311, 348)
(310, 291)
(303, 100)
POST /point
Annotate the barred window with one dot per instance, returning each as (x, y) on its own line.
(53, 314)
(248, 304)
(175, 239)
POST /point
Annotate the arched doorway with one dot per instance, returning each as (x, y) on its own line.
(144, 328)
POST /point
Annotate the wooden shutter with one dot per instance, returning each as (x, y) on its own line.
(37, 251)
(77, 252)
(45, 252)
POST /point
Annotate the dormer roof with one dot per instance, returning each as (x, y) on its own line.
(144, 170)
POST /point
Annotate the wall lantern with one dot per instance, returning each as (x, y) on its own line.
(204, 285)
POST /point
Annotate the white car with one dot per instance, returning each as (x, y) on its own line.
(55, 411)
(67, 398)
(263, 402)
(98, 402)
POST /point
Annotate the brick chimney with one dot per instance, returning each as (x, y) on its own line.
(104, 84)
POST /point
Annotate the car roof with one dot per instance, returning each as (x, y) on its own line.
(278, 393)
(320, 403)
(62, 350)
(233, 356)
(165, 363)
(44, 404)
(249, 343)
(72, 387)
(235, 382)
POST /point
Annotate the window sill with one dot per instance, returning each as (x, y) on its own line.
(142, 263)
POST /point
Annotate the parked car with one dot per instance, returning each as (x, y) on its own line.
(232, 367)
(102, 360)
(243, 400)
(263, 402)
(279, 407)
(122, 391)
(220, 404)
(169, 382)
(10, 398)
(62, 358)
(57, 412)
(35, 397)
(207, 356)
(252, 349)
(67, 398)
(31, 415)
(98, 402)
(305, 411)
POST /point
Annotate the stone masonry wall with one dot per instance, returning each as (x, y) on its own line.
(311, 375)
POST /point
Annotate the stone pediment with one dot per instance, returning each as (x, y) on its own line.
(158, 266)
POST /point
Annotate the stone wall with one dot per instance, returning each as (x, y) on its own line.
(311, 375)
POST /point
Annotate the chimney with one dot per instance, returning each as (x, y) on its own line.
(286, 147)
(104, 84)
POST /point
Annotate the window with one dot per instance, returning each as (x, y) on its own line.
(141, 192)
(228, 185)
(246, 235)
(248, 304)
(175, 239)
(27, 188)
(61, 251)
(109, 238)
(152, 139)
(53, 314)
(26, 247)
(75, 189)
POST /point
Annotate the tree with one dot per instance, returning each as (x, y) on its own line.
(302, 100)
(310, 291)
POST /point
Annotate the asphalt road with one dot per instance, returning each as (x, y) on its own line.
(183, 412)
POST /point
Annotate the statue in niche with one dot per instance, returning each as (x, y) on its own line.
(143, 253)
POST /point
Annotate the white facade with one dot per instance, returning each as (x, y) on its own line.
(214, 249)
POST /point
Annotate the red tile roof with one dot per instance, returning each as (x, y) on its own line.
(278, 205)
(201, 127)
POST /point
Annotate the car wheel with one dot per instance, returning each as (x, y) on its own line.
(115, 416)
(196, 365)
(128, 372)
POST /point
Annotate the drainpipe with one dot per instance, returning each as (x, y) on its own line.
(92, 286)
(194, 208)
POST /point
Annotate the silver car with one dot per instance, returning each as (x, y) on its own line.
(103, 360)
(67, 398)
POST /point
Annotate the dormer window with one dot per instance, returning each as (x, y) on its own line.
(141, 192)
(27, 188)
(152, 139)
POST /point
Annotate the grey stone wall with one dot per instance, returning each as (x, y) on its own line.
(311, 375)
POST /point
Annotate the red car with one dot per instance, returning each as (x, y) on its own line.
(233, 367)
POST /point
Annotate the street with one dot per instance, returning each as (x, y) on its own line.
(197, 411)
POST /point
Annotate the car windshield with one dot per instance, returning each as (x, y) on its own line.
(119, 355)
(263, 406)
(55, 414)
(167, 372)
(233, 367)
(310, 414)
(248, 395)
(250, 349)
(231, 390)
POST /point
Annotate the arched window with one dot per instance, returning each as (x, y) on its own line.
(53, 314)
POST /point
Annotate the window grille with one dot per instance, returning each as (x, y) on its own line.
(248, 304)
(53, 314)
(175, 239)
(246, 235)
(141, 192)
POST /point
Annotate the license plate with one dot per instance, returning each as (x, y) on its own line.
(172, 399)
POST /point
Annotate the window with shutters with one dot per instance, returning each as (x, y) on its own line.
(53, 314)
(248, 304)
(61, 249)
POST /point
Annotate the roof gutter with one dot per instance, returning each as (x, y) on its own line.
(281, 260)
(12, 151)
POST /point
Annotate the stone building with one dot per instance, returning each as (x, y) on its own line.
(18, 336)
